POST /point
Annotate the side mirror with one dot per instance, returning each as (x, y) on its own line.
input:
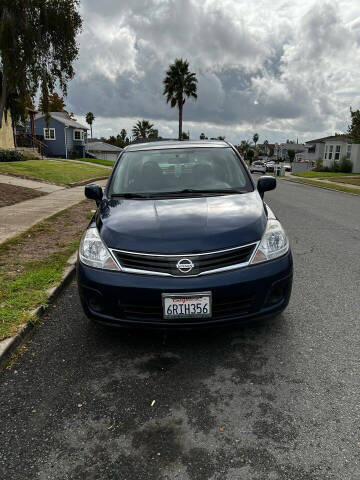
(265, 184)
(94, 192)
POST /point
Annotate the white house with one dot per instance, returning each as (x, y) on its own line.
(314, 149)
(281, 149)
(339, 146)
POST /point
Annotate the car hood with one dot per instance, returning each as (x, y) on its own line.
(181, 225)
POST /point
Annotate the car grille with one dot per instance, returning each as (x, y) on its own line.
(224, 309)
(203, 263)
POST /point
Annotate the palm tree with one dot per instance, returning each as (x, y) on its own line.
(255, 138)
(266, 143)
(90, 117)
(178, 84)
(142, 129)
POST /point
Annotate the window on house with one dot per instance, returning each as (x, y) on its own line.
(49, 134)
(326, 152)
(331, 149)
(337, 152)
(77, 134)
(348, 151)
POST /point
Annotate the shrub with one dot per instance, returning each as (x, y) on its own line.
(10, 156)
(319, 165)
(345, 165)
(334, 167)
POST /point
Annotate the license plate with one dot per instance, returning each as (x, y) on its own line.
(187, 305)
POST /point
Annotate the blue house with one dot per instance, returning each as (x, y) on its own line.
(63, 136)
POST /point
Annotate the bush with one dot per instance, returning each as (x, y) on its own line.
(345, 165)
(334, 167)
(319, 165)
(10, 156)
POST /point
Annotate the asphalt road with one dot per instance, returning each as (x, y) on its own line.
(277, 401)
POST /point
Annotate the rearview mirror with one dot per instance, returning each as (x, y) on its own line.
(265, 184)
(94, 192)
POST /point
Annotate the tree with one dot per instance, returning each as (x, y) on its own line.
(54, 102)
(266, 146)
(178, 84)
(255, 138)
(291, 155)
(154, 133)
(202, 136)
(37, 49)
(184, 136)
(245, 146)
(354, 128)
(142, 129)
(90, 117)
(123, 134)
(221, 137)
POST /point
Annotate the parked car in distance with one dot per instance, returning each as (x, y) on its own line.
(257, 166)
(270, 166)
(182, 238)
(288, 167)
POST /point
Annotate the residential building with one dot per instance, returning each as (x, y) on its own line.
(63, 136)
(281, 150)
(103, 150)
(6, 134)
(314, 149)
(339, 146)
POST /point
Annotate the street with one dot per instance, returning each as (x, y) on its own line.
(277, 400)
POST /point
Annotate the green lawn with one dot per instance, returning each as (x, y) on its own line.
(352, 181)
(312, 174)
(99, 161)
(54, 171)
(319, 183)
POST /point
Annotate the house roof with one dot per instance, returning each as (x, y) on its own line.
(341, 138)
(64, 118)
(102, 147)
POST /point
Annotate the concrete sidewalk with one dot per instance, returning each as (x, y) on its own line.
(33, 184)
(18, 218)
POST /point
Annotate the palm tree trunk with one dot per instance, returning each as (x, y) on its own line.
(91, 129)
(180, 120)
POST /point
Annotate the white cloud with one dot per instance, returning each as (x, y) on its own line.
(285, 69)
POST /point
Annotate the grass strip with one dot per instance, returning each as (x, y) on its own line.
(312, 174)
(330, 186)
(349, 181)
(34, 261)
(54, 171)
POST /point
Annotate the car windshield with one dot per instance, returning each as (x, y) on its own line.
(180, 171)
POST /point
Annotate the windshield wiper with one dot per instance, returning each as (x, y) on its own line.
(130, 195)
(202, 191)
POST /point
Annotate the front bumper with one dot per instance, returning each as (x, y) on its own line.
(238, 296)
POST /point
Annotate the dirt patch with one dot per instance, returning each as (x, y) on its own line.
(46, 238)
(10, 194)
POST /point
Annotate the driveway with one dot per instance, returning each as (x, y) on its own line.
(277, 401)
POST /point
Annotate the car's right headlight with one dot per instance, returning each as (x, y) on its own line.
(274, 242)
(93, 251)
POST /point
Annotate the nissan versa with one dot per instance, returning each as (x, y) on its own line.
(182, 237)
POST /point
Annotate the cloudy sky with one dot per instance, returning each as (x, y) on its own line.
(284, 69)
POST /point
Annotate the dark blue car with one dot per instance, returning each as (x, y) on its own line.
(182, 237)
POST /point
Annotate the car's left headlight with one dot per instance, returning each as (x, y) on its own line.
(274, 242)
(93, 251)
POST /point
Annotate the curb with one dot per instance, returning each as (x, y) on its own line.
(10, 345)
(324, 188)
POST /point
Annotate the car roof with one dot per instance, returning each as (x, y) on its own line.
(177, 144)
